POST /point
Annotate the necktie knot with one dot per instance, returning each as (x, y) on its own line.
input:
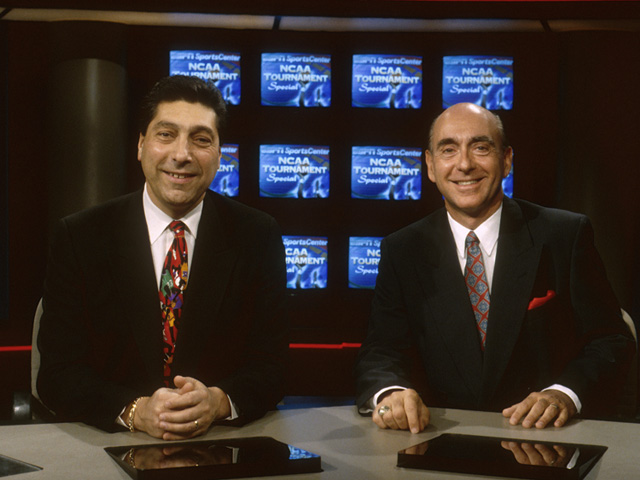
(472, 239)
(178, 228)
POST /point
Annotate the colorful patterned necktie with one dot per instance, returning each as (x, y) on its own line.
(173, 282)
(477, 285)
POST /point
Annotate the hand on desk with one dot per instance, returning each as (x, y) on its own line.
(540, 408)
(184, 412)
(406, 411)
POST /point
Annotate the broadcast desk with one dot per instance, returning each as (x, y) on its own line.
(351, 446)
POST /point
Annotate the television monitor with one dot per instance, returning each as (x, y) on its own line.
(386, 81)
(484, 80)
(221, 68)
(227, 179)
(364, 256)
(306, 261)
(294, 171)
(295, 80)
(386, 173)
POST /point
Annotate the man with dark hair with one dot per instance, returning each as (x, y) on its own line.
(163, 309)
(505, 302)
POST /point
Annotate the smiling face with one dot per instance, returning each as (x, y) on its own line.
(467, 162)
(180, 155)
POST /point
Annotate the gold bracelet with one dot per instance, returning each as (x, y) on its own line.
(132, 413)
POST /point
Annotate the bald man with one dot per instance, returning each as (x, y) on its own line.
(505, 303)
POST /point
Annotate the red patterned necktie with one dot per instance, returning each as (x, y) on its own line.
(173, 282)
(477, 285)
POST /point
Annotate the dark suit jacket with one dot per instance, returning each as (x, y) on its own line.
(100, 334)
(576, 339)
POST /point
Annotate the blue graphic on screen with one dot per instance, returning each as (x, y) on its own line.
(364, 256)
(386, 81)
(223, 69)
(484, 80)
(227, 180)
(298, 453)
(306, 260)
(294, 171)
(386, 173)
(507, 184)
(296, 80)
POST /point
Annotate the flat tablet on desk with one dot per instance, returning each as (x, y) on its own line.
(11, 466)
(214, 459)
(502, 457)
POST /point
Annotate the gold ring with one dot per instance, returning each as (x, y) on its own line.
(554, 406)
(384, 409)
(196, 422)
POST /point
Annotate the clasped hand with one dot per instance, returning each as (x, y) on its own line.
(182, 412)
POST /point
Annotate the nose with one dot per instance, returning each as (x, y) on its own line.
(465, 161)
(182, 149)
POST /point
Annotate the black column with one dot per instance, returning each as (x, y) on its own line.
(87, 116)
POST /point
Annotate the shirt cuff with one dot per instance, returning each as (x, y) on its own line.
(234, 410)
(370, 404)
(570, 393)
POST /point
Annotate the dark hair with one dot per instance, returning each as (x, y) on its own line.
(188, 89)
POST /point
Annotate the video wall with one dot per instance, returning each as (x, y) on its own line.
(380, 81)
(327, 134)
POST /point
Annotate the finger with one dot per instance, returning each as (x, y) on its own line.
(377, 418)
(521, 409)
(417, 415)
(187, 399)
(399, 412)
(536, 411)
(186, 429)
(549, 414)
(184, 384)
(549, 455)
(533, 454)
(561, 450)
(389, 418)
(563, 417)
(518, 453)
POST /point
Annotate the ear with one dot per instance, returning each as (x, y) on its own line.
(508, 161)
(428, 159)
(140, 144)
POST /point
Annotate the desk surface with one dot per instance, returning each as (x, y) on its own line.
(351, 446)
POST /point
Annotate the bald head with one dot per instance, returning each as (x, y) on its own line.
(468, 110)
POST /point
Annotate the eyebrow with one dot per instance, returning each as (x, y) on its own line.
(194, 129)
(477, 139)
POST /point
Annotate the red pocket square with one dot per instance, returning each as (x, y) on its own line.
(537, 302)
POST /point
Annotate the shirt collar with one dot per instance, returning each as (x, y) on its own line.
(487, 233)
(158, 221)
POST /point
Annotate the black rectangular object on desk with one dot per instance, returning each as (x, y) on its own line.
(214, 459)
(487, 456)
(11, 466)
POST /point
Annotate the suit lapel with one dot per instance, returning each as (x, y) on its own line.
(443, 285)
(212, 265)
(513, 278)
(137, 286)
